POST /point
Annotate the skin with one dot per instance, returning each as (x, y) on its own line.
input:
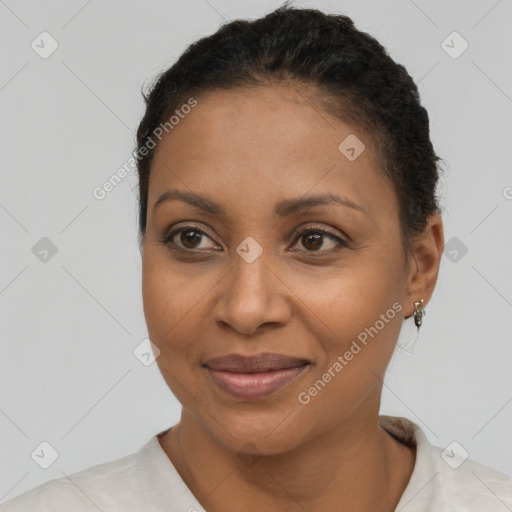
(247, 149)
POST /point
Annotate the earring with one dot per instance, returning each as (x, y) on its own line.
(418, 313)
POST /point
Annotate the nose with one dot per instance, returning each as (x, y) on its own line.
(252, 297)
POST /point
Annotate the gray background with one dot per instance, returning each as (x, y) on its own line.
(69, 325)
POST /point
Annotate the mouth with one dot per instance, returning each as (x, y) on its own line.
(254, 376)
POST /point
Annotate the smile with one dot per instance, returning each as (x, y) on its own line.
(254, 376)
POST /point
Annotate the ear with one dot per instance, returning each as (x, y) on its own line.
(424, 262)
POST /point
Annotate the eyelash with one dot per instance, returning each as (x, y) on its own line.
(167, 240)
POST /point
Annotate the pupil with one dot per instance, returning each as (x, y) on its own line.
(317, 241)
(189, 237)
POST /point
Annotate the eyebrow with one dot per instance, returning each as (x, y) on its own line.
(282, 209)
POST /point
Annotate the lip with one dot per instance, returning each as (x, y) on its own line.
(254, 376)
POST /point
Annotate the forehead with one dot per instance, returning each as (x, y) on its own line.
(266, 143)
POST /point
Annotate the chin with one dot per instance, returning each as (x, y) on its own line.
(254, 432)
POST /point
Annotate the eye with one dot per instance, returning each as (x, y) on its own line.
(313, 239)
(190, 238)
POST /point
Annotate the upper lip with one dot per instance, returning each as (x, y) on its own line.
(264, 362)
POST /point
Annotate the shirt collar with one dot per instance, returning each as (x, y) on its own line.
(424, 486)
(161, 484)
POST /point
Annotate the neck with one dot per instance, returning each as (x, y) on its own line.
(354, 467)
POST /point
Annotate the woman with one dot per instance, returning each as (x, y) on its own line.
(288, 225)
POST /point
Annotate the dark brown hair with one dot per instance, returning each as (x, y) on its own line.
(358, 81)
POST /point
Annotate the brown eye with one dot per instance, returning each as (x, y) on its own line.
(190, 238)
(187, 238)
(313, 239)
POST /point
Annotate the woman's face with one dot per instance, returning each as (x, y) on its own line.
(252, 285)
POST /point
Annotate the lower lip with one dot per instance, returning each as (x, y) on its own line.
(254, 385)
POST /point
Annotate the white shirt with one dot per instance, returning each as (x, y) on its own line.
(147, 481)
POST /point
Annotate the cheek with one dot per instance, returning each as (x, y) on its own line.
(174, 298)
(169, 301)
(356, 317)
(169, 293)
(345, 301)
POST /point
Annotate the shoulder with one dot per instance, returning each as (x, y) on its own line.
(91, 489)
(446, 479)
(471, 484)
(146, 480)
